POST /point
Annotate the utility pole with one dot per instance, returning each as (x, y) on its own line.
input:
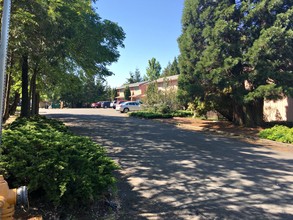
(3, 55)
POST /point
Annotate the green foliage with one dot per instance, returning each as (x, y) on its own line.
(158, 108)
(127, 93)
(154, 70)
(61, 39)
(163, 100)
(182, 113)
(134, 77)
(171, 69)
(157, 114)
(152, 94)
(79, 91)
(279, 133)
(149, 115)
(57, 166)
(264, 91)
(236, 52)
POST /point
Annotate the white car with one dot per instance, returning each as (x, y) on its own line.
(128, 106)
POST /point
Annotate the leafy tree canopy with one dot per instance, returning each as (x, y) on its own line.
(60, 39)
(235, 54)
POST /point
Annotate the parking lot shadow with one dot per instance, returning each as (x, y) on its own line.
(170, 173)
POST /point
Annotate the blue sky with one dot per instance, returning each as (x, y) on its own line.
(152, 28)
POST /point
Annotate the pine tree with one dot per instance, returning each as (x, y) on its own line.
(154, 69)
(234, 54)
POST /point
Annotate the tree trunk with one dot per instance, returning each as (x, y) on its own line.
(254, 113)
(6, 97)
(25, 102)
(7, 91)
(238, 114)
(33, 92)
(36, 103)
(13, 107)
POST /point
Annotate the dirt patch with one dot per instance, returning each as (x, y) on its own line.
(229, 129)
(216, 126)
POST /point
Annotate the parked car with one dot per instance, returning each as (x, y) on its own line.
(118, 103)
(105, 104)
(96, 105)
(128, 106)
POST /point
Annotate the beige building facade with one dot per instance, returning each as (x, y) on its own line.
(279, 110)
(138, 90)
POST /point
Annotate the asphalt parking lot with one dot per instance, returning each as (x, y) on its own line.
(171, 173)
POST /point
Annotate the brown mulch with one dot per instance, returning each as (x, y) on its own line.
(224, 127)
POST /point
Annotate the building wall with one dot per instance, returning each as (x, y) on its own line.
(120, 93)
(169, 84)
(280, 110)
(135, 91)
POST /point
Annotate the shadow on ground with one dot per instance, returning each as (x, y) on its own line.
(169, 173)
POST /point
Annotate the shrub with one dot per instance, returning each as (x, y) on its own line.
(156, 114)
(163, 109)
(149, 114)
(63, 168)
(278, 133)
(182, 113)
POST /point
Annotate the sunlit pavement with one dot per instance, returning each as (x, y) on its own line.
(170, 173)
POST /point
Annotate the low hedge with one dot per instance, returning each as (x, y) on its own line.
(182, 113)
(153, 114)
(58, 166)
(279, 133)
(149, 115)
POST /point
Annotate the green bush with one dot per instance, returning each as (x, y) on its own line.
(63, 168)
(149, 115)
(182, 113)
(156, 114)
(278, 133)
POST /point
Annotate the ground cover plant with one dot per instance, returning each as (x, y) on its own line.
(157, 114)
(149, 114)
(58, 167)
(182, 113)
(279, 133)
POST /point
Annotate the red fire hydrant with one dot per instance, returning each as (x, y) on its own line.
(9, 198)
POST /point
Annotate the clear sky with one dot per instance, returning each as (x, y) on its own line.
(152, 28)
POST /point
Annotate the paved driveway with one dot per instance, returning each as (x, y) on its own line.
(170, 173)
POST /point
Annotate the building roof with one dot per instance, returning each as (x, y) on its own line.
(168, 78)
(132, 85)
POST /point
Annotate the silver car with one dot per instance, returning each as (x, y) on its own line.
(128, 106)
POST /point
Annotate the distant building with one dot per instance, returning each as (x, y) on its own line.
(136, 90)
(169, 82)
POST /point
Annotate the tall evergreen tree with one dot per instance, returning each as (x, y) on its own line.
(171, 69)
(127, 93)
(233, 55)
(174, 68)
(166, 70)
(137, 76)
(153, 71)
(134, 77)
(130, 79)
